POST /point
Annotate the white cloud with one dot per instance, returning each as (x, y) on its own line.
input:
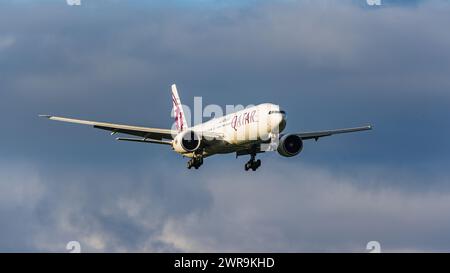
(308, 208)
(282, 207)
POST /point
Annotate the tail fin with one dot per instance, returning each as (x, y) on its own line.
(179, 116)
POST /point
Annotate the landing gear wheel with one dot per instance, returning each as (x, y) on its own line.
(195, 162)
(252, 164)
(256, 165)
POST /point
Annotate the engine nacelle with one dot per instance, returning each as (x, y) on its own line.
(186, 142)
(290, 145)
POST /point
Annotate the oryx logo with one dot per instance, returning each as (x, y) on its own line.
(243, 119)
(178, 114)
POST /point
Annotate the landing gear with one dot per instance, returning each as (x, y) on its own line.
(252, 163)
(195, 162)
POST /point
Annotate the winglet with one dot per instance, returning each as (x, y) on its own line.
(45, 116)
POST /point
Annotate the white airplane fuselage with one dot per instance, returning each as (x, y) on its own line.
(239, 129)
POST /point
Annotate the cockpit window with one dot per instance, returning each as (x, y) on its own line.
(277, 112)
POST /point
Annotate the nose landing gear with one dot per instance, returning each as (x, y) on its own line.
(252, 163)
(195, 162)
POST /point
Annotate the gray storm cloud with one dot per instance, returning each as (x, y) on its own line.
(310, 209)
(329, 64)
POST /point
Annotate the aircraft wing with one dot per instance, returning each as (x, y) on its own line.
(318, 134)
(144, 132)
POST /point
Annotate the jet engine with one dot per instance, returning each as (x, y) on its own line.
(290, 145)
(186, 142)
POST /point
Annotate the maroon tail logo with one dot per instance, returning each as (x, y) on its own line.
(178, 114)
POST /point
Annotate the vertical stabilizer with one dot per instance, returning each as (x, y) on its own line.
(178, 112)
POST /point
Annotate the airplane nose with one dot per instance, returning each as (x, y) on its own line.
(279, 120)
(282, 123)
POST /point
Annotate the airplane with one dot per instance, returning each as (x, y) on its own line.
(250, 131)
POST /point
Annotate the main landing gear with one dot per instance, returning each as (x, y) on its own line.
(195, 162)
(252, 163)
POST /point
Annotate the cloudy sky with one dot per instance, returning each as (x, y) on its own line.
(329, 64)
